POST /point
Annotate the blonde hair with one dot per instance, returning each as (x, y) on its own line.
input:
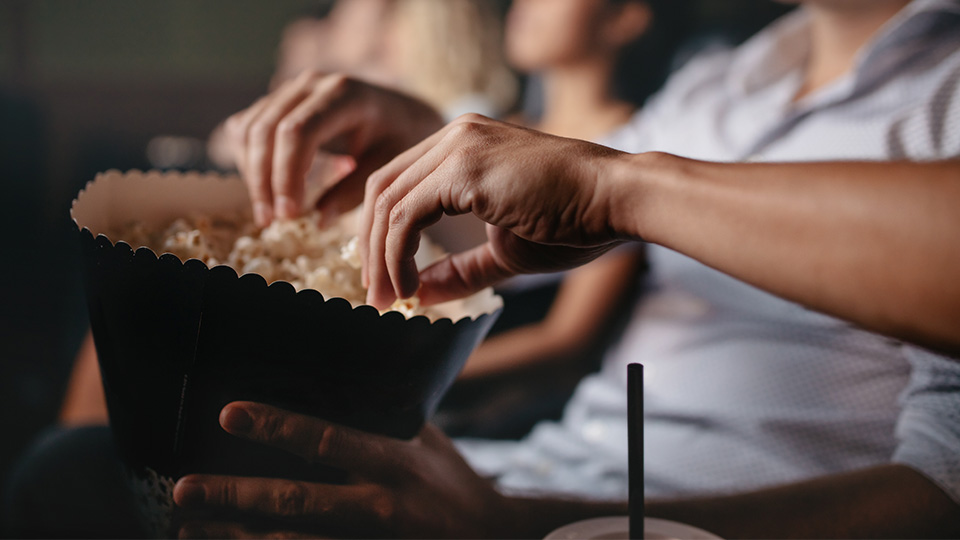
(453, 49)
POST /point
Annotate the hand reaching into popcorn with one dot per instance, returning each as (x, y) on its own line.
(276, 140)
(544, 215)
(553, 203)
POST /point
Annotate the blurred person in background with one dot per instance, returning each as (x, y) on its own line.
(763, 417)
(769, 419)
(446, 52)
(597, 61)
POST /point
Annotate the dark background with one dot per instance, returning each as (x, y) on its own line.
(84, 86)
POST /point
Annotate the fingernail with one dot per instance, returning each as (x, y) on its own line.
(262, 214)
(189, 493)
(345, 166)
(192, 531)
(236, 420)
(287, 208)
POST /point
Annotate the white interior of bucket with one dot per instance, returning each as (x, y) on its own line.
(115, 199)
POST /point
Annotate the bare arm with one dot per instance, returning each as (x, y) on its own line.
(585, 304)
(890, 501)
(873, 243)
(423, 489)
(84, 402)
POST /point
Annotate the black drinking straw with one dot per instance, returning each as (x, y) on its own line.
(635, 448)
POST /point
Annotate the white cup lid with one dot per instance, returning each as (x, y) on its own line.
(618, 528)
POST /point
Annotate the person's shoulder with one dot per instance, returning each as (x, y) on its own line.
(707, 65)
(701, 76)
(704, 71)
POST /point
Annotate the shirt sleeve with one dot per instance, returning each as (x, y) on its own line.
(928, 429)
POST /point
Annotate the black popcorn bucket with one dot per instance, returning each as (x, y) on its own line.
(177, 341)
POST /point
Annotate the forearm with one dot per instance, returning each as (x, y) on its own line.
(874, 243)
(891, 501)
(523, 347)
(84, 402)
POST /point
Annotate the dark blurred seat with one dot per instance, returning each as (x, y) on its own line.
(508, 406)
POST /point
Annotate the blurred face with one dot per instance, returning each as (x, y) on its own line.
(547, 33)
(358, 27)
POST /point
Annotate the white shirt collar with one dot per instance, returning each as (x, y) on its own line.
(782, 49)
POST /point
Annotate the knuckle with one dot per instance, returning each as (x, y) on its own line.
(469, 198)
(471, 118)
(383, 205)
(377, 186)
(291, 127)
(337, 82)
(398, 216)
(309, 75)
(370, 196)
(227, 493)
(291, 500)
(272, 428)
(329, 443)
(464, 130)
(234, 124)
(376, 182)
(260, 130)
(237, 129)
(384, 509)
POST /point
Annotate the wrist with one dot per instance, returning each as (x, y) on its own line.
(639, 193)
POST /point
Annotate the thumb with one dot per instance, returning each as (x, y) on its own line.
(346, 193)
(461, 275)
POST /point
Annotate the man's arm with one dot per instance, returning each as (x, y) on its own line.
(890, 501)
(423, 488)
(873, 243)
(84, 402)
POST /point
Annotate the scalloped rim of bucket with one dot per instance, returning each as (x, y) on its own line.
(222, 197)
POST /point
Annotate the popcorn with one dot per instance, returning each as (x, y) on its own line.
(296, 251)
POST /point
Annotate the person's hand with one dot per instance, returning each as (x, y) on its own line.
(419, 488)
(546, 199)
(276, 139)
